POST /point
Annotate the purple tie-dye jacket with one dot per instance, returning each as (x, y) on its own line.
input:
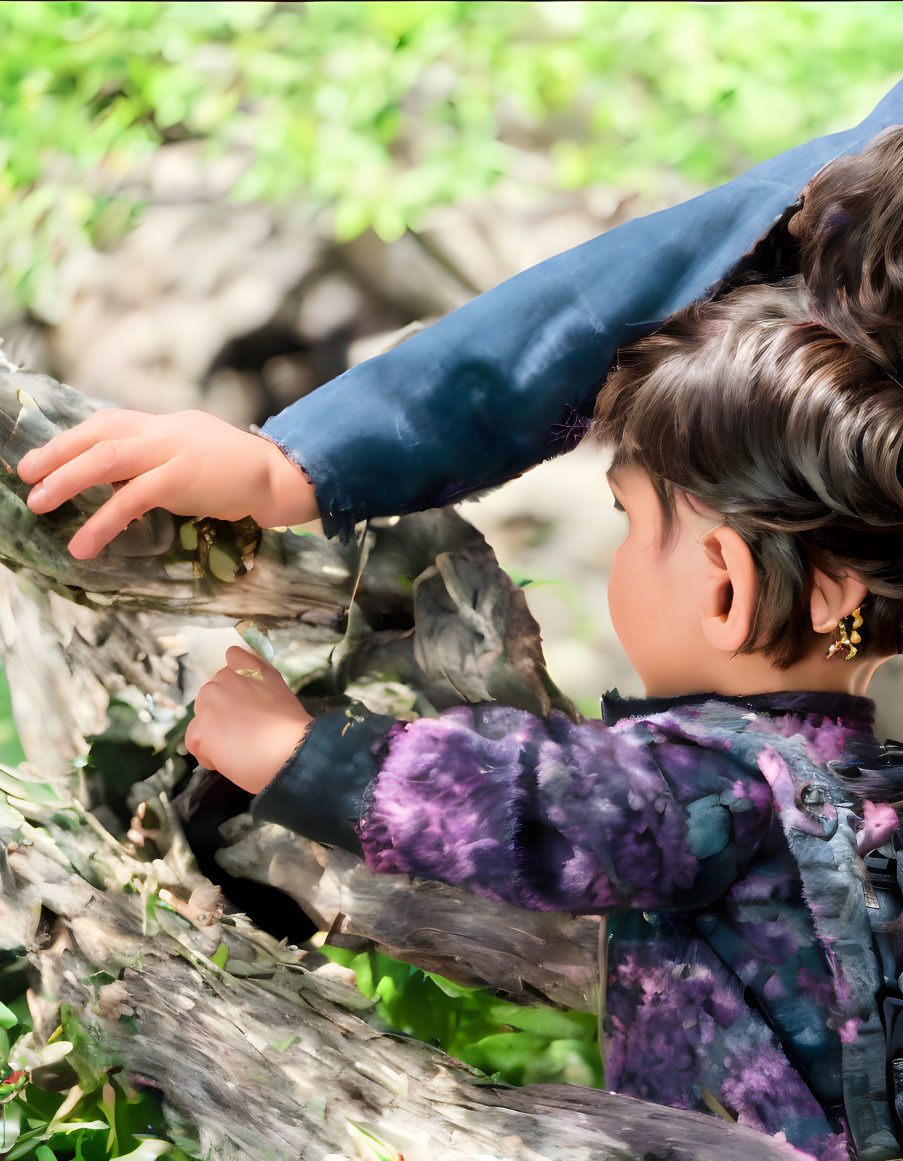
(660, 816)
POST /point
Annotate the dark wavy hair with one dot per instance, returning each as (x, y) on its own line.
(778, 403)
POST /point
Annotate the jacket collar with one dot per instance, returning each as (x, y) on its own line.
(853, 711)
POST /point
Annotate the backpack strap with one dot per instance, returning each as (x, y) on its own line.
(834, 888)
(883, 892)
(819, 830)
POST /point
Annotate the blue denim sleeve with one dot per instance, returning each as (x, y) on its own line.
(537, 812)
(497, 386)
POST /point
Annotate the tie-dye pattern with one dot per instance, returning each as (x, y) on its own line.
(662, 817)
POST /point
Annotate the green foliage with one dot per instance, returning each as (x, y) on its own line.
(11, 752)
(381, 110)
(108, 1120)
(140, 736)
(106, 1117)
(509, 1043)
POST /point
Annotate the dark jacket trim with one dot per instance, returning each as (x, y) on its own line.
(319, 791)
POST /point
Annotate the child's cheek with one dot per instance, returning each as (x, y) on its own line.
(633, 605)
(618, 595)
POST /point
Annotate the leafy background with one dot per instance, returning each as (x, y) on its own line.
(375, 114)
(382, 110)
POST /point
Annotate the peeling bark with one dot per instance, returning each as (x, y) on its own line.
(272, 1055)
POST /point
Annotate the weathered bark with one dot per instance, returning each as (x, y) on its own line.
(269, 1056)
(529, 957)
(78, 898)
(64, 655)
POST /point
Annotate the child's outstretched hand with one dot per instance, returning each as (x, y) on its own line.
(189, 462)
(246, 727)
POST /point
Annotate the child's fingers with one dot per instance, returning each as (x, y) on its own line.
(106, 423)
(131, 501)
(105, 463)
(191, 737)
(237, 657)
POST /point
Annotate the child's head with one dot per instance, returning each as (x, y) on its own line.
(758, 453)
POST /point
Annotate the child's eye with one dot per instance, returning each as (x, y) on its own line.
(619, 507)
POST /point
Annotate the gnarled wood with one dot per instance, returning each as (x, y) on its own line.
(271, 1056)
(528, 956)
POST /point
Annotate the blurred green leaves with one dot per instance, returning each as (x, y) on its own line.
(381, 110)
(11, 752)
(510, 1043)
(53, 1111)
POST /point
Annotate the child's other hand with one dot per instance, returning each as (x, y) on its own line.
(246, 727)
(189, 462)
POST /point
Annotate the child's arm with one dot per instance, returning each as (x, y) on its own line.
(189, 462)
(499, 384)
(536, 812)
(484, 393)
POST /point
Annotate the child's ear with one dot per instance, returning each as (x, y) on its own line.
(729, 588)
(833, 599)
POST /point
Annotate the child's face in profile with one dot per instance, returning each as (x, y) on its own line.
(653, 595)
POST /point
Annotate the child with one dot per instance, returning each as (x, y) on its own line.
(704, 818)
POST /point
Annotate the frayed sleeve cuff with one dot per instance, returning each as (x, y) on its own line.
(319, 791)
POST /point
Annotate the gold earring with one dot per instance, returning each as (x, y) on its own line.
(850, 641)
